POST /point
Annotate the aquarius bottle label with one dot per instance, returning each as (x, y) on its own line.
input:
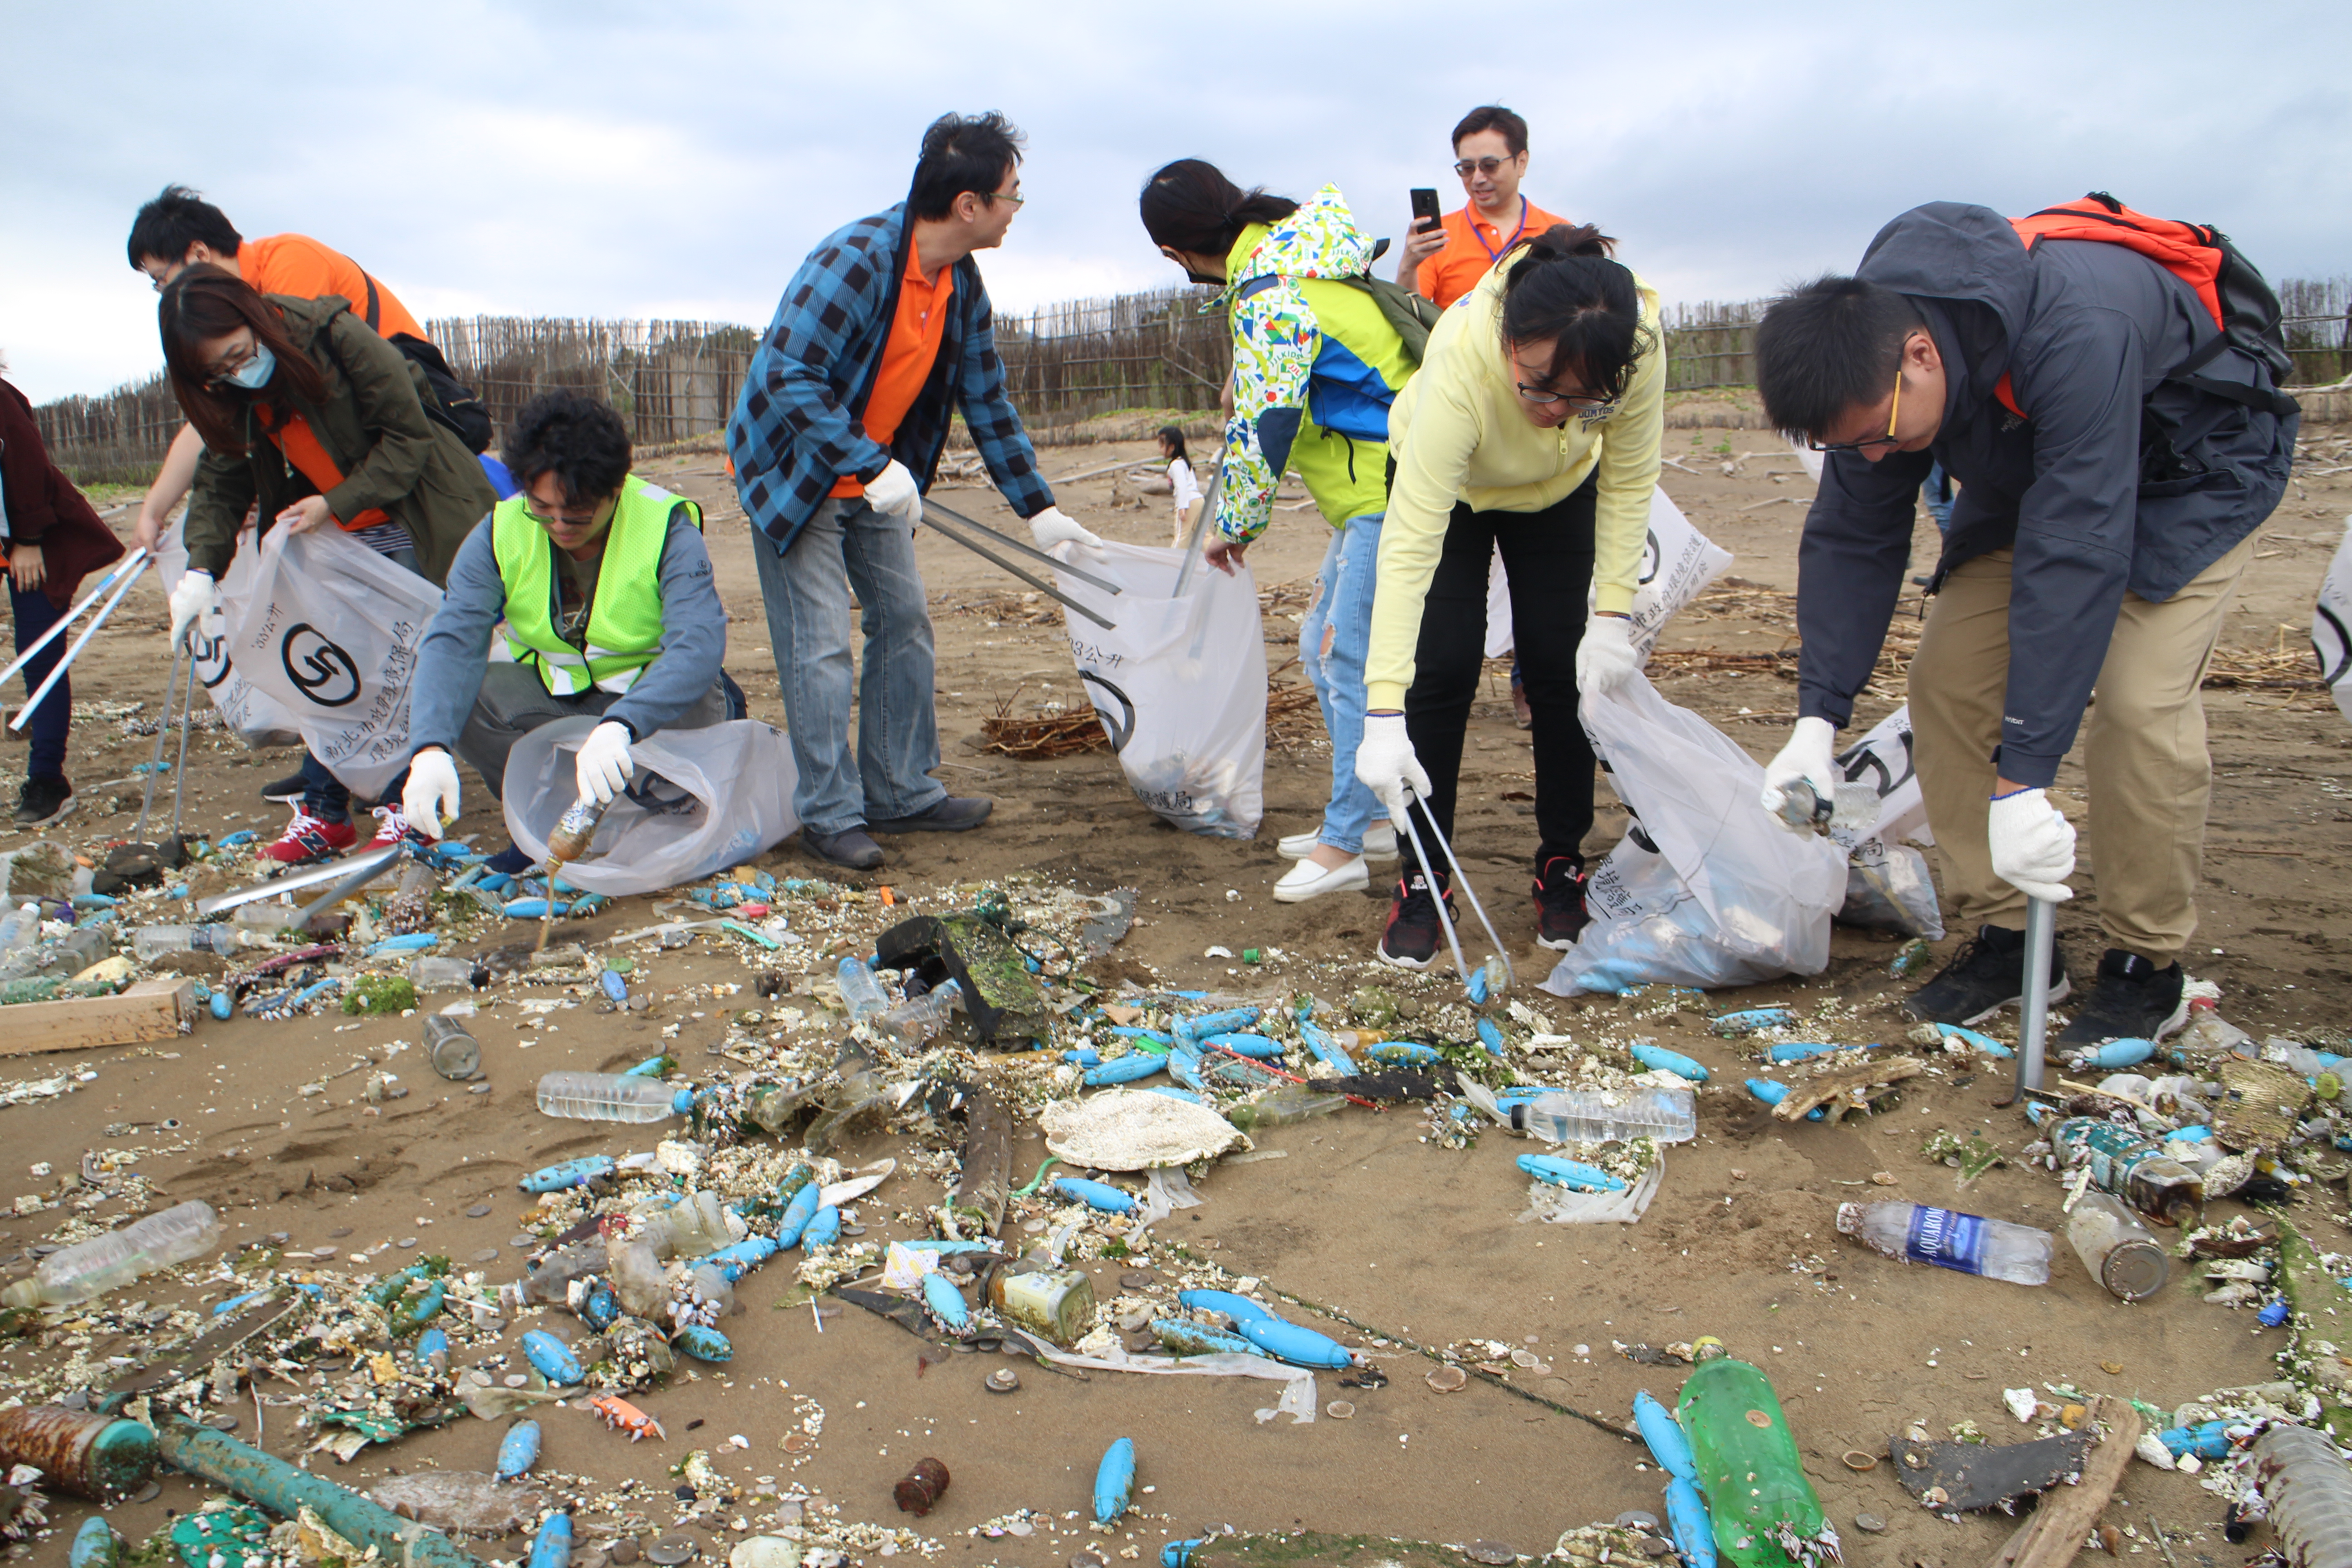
(1946, 1239)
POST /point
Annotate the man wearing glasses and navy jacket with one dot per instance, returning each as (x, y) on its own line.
(2117, 447)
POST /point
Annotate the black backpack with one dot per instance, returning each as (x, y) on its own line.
(453, 402)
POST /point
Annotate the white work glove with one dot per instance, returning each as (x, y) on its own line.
(1605, 660)
(191, 602)
(429, 800)
(1809, 757)
(604, 767)
(2032, 844)
(893, 493)
(1385, 764)
(1052, 527)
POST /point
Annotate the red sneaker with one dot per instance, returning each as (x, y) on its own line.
(307, 838)
(390, 828)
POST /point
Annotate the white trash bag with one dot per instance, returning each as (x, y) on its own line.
(1179, 685)
(1888, 885)
(701, 800)
(1704, 889)
(331, 632)
(252, 715)
(1677, 563)
(2331, 625)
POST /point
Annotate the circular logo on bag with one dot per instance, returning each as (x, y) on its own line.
(1120, 726)
(322, 669)
(1650, 555)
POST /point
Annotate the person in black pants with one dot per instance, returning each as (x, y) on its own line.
(1533, 424)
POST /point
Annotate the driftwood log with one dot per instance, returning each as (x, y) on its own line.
(2065, 1516)
(1847, 1089)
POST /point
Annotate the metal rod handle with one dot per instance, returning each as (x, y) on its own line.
(1199, 527)
(1443, 921)
(74, 652)
(2040, 919)
(1463, 881)
(947, 531)
(66, 621)
(995, 536)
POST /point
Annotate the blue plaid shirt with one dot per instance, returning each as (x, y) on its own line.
(795, 428)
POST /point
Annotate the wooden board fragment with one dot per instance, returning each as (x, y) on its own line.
(150, 1010)
(987, 1178)
(2063, 1520)
(1846, 1089)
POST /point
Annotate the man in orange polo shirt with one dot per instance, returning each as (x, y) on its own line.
(179, 229)
(1490, 153)
(883, 336)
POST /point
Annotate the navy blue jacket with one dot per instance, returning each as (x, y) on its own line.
(2087, 333)
(795, 426)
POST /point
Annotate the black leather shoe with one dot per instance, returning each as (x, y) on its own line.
(956, 814)
(852, 850)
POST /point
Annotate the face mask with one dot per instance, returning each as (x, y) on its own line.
(254, 374)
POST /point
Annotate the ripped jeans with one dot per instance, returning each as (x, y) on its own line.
(1332, 643)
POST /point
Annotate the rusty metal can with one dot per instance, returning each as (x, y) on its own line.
(920, 1489)
(92, 1456)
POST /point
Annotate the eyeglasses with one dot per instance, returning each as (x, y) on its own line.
(1869, 443)
(1015, 198)
(1469, 166)
(228, 370)
(1578, 402)
(530, 511)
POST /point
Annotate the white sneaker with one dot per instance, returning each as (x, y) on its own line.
(1308, 881)
(1379, 843)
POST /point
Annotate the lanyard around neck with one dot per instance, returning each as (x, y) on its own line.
(1493, 255)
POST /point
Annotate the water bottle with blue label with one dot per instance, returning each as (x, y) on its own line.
(1964, 1243)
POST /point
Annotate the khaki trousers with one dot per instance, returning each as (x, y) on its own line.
(2144, 749)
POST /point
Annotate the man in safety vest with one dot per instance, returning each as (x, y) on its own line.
(605, 589)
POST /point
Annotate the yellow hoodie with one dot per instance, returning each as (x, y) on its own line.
(1456, 432)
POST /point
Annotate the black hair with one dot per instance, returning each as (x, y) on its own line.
(1493, 117)
(1174, 435)
(202, 305)
(175, 220)
(1828, 346)
(1191, 205)
(1564, 286)
(574, 436)
(962, 153)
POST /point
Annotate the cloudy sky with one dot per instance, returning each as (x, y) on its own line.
(588, 158)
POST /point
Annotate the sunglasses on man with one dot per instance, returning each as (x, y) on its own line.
(1469, 166)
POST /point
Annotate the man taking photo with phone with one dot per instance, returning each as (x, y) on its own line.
(1444, 260)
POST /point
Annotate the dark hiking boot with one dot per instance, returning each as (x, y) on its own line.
(43, 800)
(1987, 974)
(2133, 1000)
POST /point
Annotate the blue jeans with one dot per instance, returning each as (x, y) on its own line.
(1937, 495)
(35, 614)
(1342, 612)
(848, 546)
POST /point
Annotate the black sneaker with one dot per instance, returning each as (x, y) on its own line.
(1561, 917)
(1987, 974)
(2134, 1000)
(43, 800)
(1414, 936)
(287, 790)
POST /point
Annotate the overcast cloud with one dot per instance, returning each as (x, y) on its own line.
(597, 159)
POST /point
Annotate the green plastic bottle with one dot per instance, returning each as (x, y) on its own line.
(1766, 1513)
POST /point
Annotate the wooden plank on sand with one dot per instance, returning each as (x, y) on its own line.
(150, 1010)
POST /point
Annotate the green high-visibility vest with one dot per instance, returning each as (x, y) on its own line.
(625, 619)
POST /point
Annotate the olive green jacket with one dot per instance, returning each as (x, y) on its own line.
(372, 423)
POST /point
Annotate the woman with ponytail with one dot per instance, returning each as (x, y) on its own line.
(1533, 427)
(1316, 367)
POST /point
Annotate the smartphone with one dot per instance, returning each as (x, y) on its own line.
(1425, 214)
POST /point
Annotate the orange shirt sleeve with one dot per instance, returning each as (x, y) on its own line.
(298, 265)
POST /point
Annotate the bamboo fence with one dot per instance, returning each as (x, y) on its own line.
(1069, 368)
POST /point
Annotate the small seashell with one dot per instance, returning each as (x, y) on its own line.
(1339, 1410)
(1447, 1379)
(1856, 1460)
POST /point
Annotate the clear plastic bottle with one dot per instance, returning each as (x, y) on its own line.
(919, 1017)
(268, 917)
(104, 1263)
(1281, 1105)
(605, 1097)
(694, 1227)
(2116, 1248)
(1600, 1116)
(2308, 1488)
(433, 972)
(713, 1286)
(636, 1274)
(1748, 1467)
(861, 992)
(451, 1048)
(2298, 1057)
(151, 943)
(552, 1279)
(1966, 1243)
(20, 934)
(2209, 1034)
(76, 951)
(771, 1107)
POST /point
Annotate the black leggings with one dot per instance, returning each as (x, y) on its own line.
(1547, 557)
